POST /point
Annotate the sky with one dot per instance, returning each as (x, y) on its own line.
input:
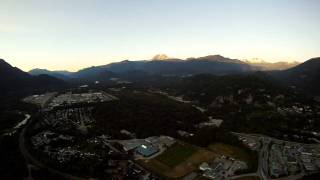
(73, 34)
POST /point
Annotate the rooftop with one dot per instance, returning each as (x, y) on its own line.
(147, 150)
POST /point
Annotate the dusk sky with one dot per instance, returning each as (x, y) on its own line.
(73, 34)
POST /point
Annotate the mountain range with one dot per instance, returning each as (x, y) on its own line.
(58, 74)
(164, 65)
(13, 79)
(304, 76)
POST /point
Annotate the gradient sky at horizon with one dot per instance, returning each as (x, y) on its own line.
(73, 34)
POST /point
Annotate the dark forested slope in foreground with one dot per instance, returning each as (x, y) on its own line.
(12, 111)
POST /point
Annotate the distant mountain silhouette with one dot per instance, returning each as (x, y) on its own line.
(58, 74)
(45, 71)
(261, 65)
(13, 79)
(215, 64)
(305, 76)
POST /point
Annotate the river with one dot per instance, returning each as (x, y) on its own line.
(21, 123)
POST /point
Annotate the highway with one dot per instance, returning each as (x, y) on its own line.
(263, 159)
(262, 170)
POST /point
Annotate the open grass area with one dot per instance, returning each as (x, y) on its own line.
(176, 154)
(231, 151)
(182, 158)
(179, 160)
(236, 153)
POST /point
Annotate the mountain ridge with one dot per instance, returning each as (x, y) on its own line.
(13, 80)
(304, 76)
(208, 64)
(257, 64)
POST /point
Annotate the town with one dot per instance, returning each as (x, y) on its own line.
(65, 134)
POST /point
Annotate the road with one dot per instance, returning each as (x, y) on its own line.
(263, 159)
(244, 175)
(262, 171)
